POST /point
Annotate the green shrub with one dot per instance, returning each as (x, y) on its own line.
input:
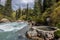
(57, 33)
(58, 25)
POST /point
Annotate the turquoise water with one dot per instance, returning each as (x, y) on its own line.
(9, 31)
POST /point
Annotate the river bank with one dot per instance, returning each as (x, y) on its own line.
(41, 33)
(35, 32)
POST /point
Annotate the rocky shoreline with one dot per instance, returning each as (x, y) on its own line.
(37, 34)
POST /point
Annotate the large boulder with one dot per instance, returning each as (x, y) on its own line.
(4, 20)
(32, 33)
(49, 35)
(19, 20)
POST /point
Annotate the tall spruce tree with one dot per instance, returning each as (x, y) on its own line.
(48, 3)
(8, 9)
(18, 13)
(37, 10)
(27, 11)
(57, 0)
(40, 5)
(1, 7)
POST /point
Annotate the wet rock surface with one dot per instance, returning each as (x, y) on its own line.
(32, 34)
(38, 34)
(4, 20)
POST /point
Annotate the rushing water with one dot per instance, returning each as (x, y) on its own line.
(12, 31)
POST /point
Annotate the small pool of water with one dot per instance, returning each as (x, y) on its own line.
(47, 28)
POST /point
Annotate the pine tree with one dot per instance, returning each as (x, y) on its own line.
(18, 14)
(0, 6)
(8, 9)
(57, 0)
(40, 5)
(26, 12)
(48, 4)
(37, 10)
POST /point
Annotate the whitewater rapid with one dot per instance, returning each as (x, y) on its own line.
(4, 27)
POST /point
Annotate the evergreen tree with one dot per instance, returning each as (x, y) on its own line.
(1, 8)
(37, 10)
(27, 12)
(18, 14)
(8, 9)
(37, 13)
(48, 4)
(40, 5)
(57, 0)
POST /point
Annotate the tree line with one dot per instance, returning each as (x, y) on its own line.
(34, 14)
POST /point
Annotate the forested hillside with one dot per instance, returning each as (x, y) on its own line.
(39, 13)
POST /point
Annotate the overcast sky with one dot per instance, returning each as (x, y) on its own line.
(20, 3)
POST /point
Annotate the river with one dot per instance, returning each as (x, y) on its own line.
(13, 31)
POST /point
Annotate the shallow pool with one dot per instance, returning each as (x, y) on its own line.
(11, 31)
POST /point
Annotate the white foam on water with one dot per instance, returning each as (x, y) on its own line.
(11, 26)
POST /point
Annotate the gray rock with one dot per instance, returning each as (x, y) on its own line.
(32, 33)
(4, 20)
